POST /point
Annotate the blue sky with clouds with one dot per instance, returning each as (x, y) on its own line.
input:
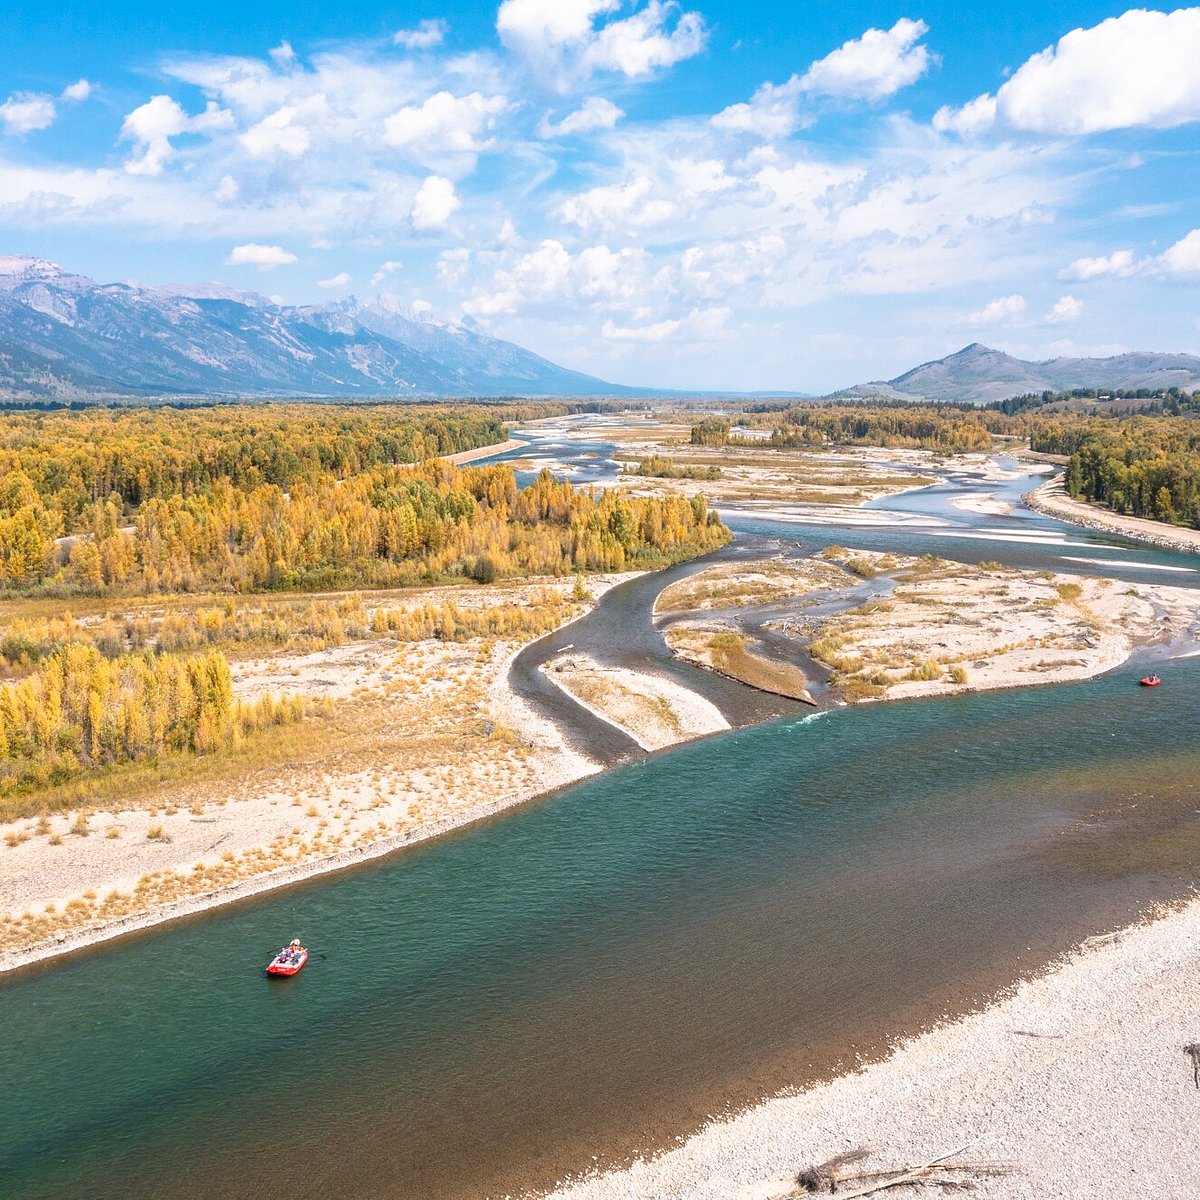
(761, 196)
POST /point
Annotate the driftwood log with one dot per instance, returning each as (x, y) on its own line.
(837, 1176)
(1192, 1050)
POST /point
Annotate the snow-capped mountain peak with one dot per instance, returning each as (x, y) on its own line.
(20, 268)
(66, 336)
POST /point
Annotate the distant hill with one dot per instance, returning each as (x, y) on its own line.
(979, 375)
(66, 337)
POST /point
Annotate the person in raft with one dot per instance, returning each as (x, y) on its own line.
(293, 951)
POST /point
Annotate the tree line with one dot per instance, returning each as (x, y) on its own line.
(68, 461)
(310, 500)
(944, 429)
(1117, 402)
(300, 626)
(1141, 466)
(79, 711)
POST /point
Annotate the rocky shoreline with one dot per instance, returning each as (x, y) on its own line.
(1051, 500)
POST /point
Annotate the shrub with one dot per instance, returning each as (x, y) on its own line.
(927, 671)
(725, 641)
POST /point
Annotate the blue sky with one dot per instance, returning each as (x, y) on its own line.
(708, 195)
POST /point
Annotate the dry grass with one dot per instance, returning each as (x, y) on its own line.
(740, 585)
(943, 617)
(416, 745)
(762, 473)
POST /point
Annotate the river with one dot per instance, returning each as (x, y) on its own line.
(595, 973)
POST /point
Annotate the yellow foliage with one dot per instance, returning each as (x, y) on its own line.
(80, 710)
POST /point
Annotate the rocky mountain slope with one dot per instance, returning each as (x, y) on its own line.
(63, 336)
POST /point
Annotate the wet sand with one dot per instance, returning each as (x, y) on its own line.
(1075, 1083)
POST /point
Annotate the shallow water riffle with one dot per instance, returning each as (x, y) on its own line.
(596, 973)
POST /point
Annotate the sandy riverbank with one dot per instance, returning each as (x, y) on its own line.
(947, 627)
(741, 475)
(426, 737)
(469, 456)
(1052, 500)
(656, 712)
(1076, 1080)
(928, 627)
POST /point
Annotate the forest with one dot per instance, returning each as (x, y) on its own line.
(71, 460)
(1115, 402)
(270, 499)
(1141, 466)
(942, 428)
(300, 497)
(79, 710)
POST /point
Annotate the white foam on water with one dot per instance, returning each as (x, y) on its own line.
(816, 717)
(874, 518)
(1117, 562)
(1019, 540)
(1041, 535)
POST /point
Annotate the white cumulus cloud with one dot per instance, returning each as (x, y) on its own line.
(444, 124)
(281, 134)
(566, 40)
(626, 205)
(772, 112)
(698, 324)
(152, 126)
(1002, 311)
(77, 92)
(435, 203)
(1183, 258)
(386, 269)
(340, 280)
(27, 112)
(1120, 263)
(595, 113)
(976, 116)
(872, 67)
(265, 258)
(427, 34)
(1067, 308)
(1136, 69)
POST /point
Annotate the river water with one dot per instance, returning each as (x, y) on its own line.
(599, 971)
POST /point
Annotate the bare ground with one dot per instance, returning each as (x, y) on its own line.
(654, 711)
(1077, 1081)
(422, 736)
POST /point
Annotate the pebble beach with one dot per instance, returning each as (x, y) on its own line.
(1075, 1082)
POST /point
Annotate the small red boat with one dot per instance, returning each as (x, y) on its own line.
(289, 960)
(1150, 681)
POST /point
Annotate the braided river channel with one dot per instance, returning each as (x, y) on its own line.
(595, 973)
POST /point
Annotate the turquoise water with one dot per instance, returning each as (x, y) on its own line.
(592, 971)
(598, 971)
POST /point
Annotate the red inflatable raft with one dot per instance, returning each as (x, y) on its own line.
(289, 960)
(1150, 681)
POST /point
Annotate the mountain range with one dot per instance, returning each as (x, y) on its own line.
(66, 337)
(978, 374)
